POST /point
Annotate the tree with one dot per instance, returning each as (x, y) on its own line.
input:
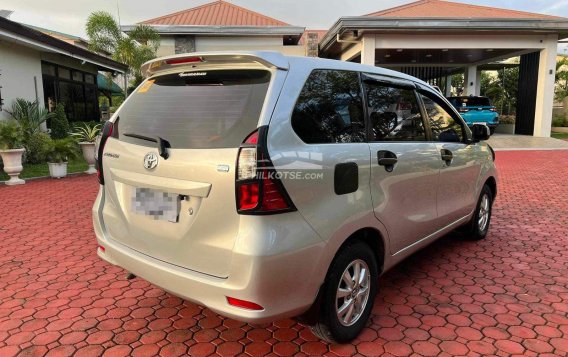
(561, 78)
(134, 49)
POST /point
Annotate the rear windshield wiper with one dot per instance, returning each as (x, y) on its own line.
(163, 144)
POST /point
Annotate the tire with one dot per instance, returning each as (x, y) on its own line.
(477, 229)
(492, 130)
(329, 326)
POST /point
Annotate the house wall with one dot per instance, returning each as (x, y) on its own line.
(233, 43)
(18, 67)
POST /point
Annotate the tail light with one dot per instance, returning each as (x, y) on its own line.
(106, 132)
(258, 188)
(493, 109)
(184, 60)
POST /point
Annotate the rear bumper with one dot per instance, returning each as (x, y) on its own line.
(285, 283)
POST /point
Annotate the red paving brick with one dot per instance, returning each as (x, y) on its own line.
(504, 295)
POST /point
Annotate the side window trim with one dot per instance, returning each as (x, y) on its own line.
(448, 108)
(425, 118)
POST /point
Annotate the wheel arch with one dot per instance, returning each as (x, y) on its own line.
(368, 235)
(492, 183)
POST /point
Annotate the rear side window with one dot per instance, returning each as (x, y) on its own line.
(330, 108)
(196, 110)
(394, 113)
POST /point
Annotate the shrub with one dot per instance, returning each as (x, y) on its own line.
(36, 148)
(559, 120)
(10, 135)
(61, 150)
(29, 115)
(59, 123)
(85, 132)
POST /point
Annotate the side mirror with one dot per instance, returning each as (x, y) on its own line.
(480, 132)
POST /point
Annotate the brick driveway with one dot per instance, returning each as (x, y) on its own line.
(505, 295)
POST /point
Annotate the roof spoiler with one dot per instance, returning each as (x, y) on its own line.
(201, 59)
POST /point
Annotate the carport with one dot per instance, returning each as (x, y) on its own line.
(431, 39)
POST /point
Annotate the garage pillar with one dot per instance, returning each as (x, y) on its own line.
(472, 81)
(368, 50)
(448, 86)
(545, 87)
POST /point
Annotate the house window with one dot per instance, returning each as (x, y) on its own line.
(76, 90)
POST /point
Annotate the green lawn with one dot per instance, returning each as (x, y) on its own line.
(39, 170)
(559, 135)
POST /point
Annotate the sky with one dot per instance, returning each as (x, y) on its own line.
(69, 16)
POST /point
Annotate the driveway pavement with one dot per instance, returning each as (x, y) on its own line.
(503, 296)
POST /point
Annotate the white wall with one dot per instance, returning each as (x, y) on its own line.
(19, 66)
(234, 43)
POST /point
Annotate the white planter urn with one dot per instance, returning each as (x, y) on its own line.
(89, 156)
(13, 165)
(57, 169)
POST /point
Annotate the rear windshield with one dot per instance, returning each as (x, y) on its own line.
(195, 110)
(470, 102)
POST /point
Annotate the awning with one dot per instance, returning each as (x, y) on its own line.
(107, 86)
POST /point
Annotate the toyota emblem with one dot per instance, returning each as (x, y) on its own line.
(150, 161)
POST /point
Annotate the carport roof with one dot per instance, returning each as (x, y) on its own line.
(447, 9)
(435, 16)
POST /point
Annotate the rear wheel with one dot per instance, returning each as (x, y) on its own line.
(492, 130)
(478, 227)
(348, 294)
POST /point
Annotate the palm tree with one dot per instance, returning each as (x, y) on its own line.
(139, 46)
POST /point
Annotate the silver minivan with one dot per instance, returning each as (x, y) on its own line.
(266, 187)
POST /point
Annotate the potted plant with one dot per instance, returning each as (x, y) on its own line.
(86, 135)
(506, 125)
(58, 153)
(11, 150)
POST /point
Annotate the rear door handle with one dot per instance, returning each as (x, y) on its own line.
(447, 156)
(387, 159)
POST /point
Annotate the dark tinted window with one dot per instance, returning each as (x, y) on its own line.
(445, 127)
(207, 109)
(459, 102)
(394, 113)
(330, 108)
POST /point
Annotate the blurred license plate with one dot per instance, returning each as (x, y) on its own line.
(159, 205)
(479, 123)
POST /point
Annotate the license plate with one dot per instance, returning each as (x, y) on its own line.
(479, 123)
(161, 206)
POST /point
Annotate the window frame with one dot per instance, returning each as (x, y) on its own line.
(393, 82)
(423, 91)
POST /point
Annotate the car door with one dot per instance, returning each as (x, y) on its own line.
(459, 169)
(404, 163)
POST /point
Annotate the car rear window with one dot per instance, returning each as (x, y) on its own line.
(195, 110)
(470, 102)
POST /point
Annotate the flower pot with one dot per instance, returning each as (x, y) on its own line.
(57, 169)
(89, 156)
(505, 129)
(13, 165)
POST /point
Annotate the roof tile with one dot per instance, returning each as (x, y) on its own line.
(217, 13)
(447, 9)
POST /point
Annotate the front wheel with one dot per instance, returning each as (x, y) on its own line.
(348, 294)
(478, 227)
